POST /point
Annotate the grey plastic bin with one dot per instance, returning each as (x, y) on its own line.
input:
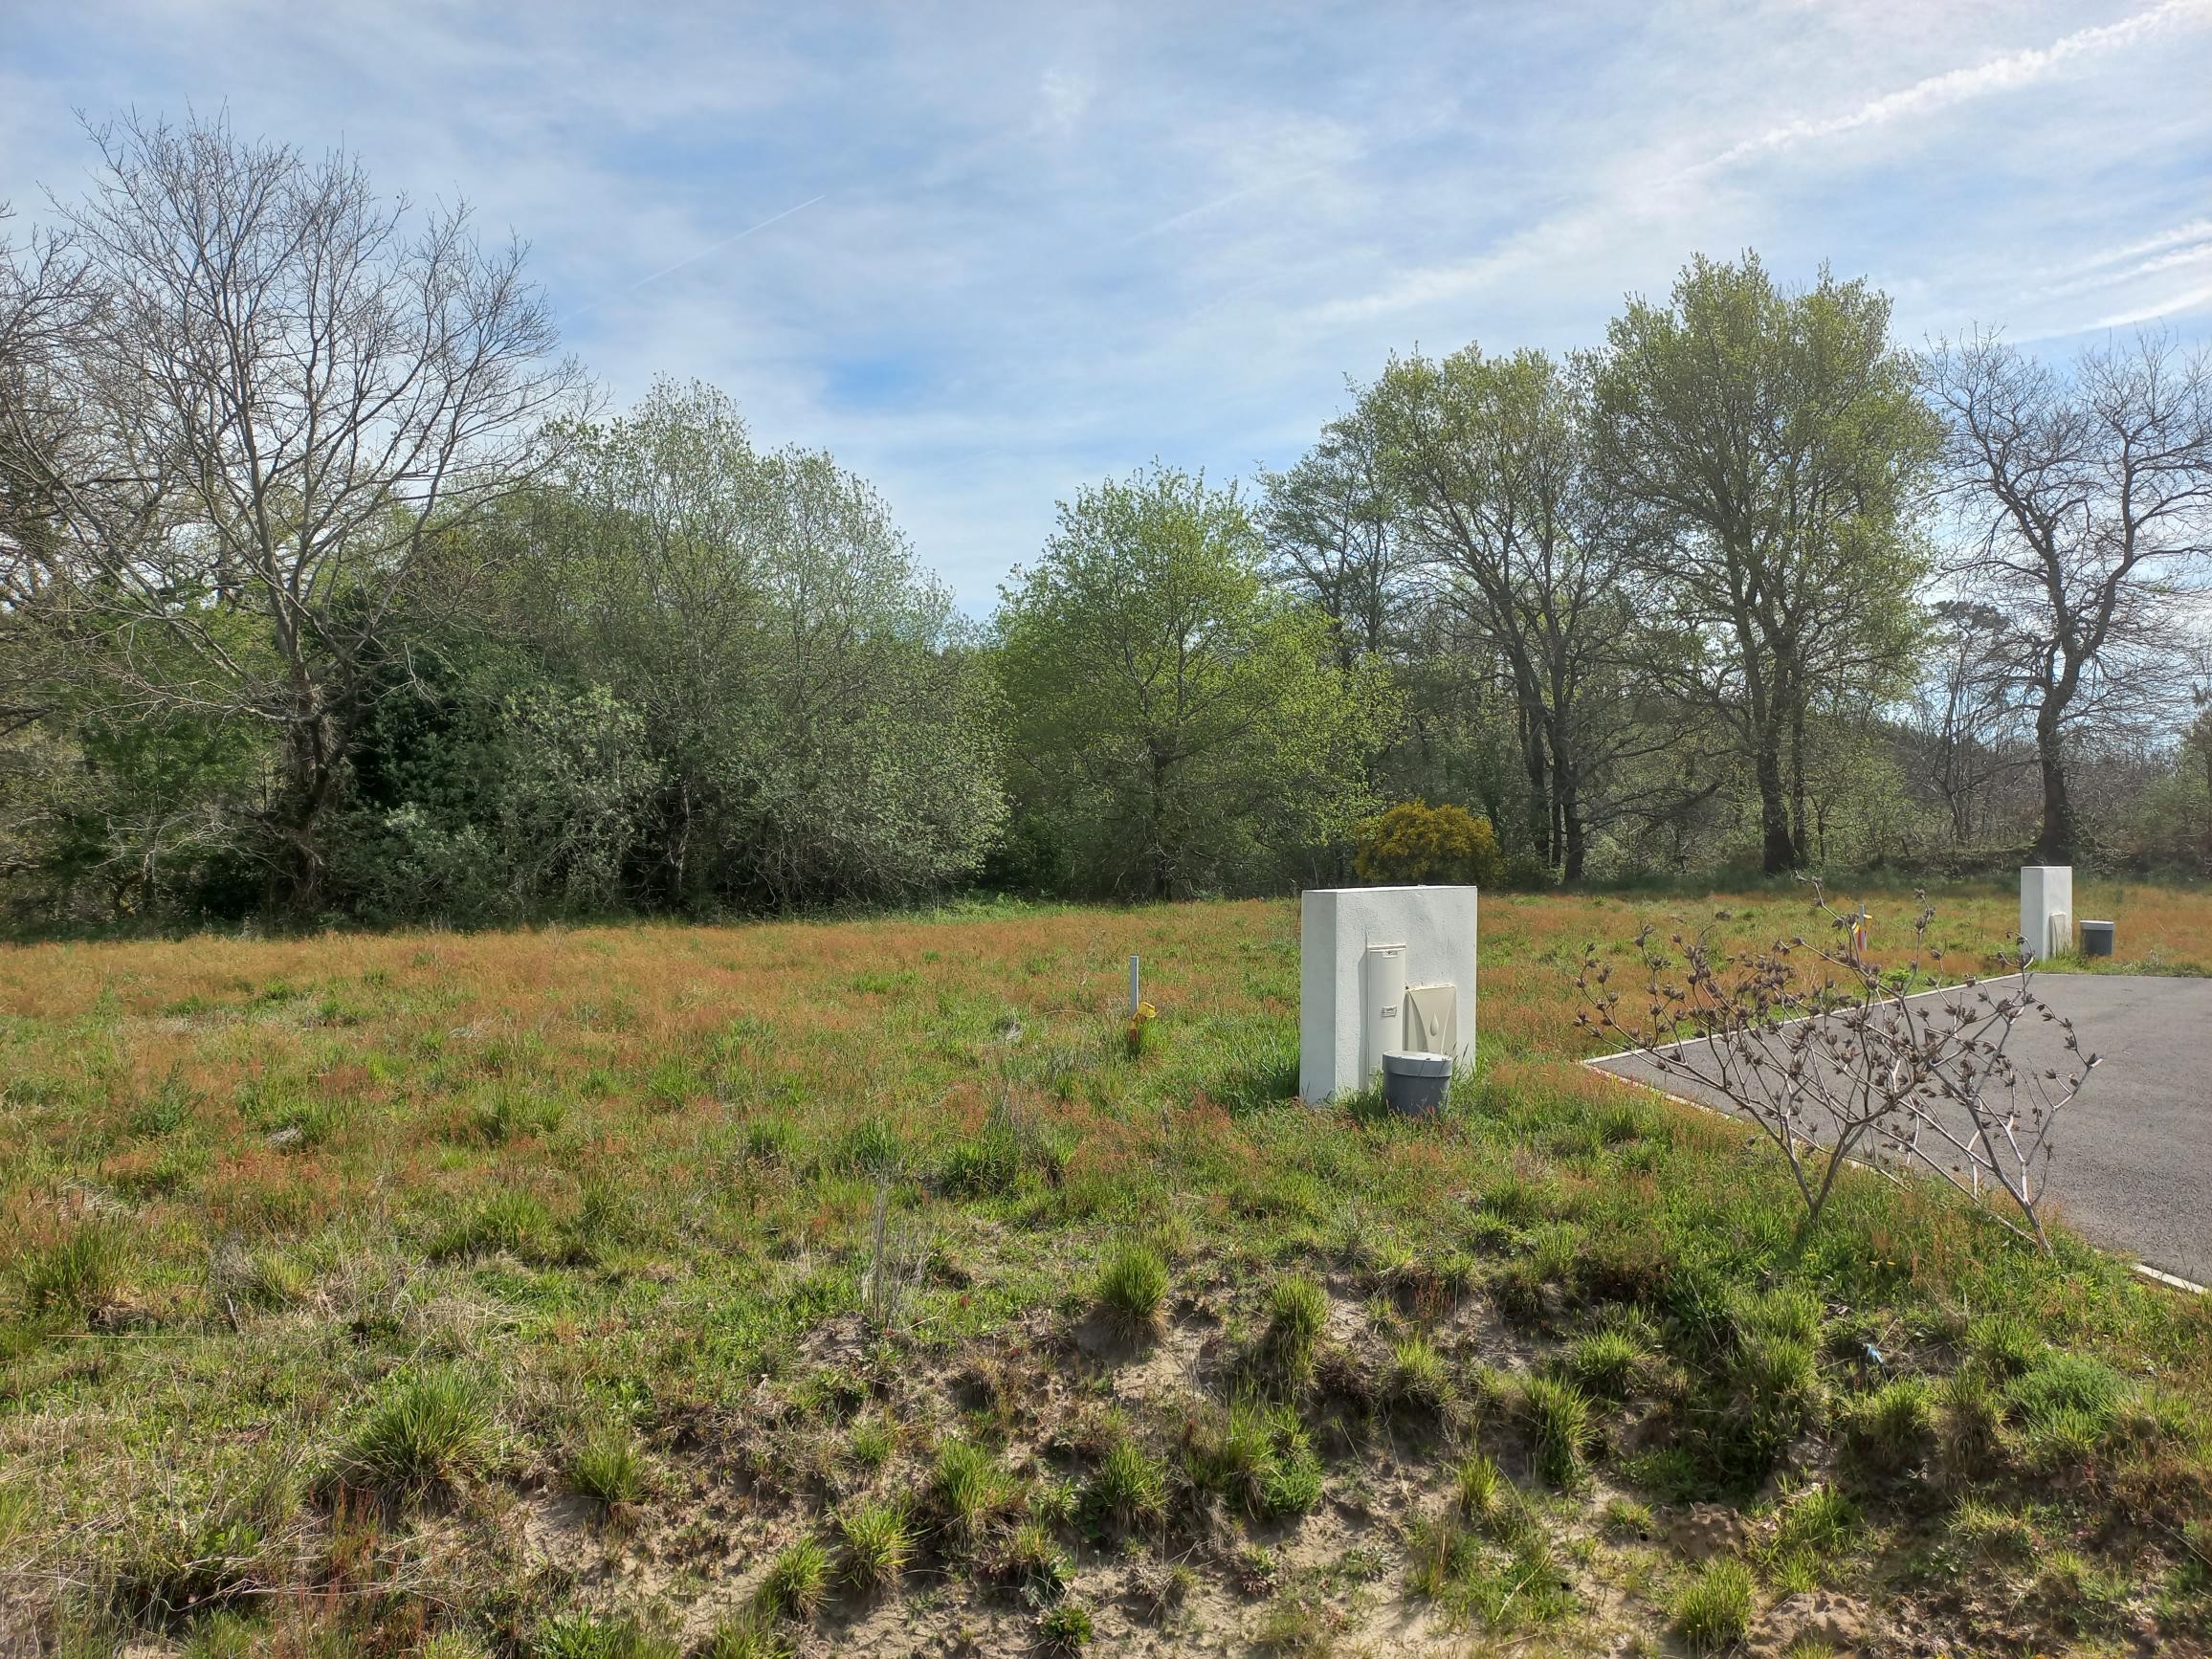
(1414, 1085)
(2096, 937)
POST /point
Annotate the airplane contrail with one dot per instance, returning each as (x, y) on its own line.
(693, 258)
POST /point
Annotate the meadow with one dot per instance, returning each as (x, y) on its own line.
(871, 1286)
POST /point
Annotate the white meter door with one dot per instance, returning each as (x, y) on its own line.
(1381, 1005)
(1433, 1019)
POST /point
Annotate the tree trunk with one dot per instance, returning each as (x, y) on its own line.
(1538, 764)
(2059, 841)
(1567, 800)
(1800, 833)
(1777, 853)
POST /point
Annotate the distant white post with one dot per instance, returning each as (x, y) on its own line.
(2045, 909)
(1135, 997)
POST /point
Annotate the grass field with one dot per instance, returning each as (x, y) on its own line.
(856, 1286)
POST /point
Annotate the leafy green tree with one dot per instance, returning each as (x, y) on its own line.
(1178, 725)
(1490, 459)
(1767, 449)
(822, 727)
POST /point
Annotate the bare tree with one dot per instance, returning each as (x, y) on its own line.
(1968, 730)
(2087, 503)
(1836, 1060)
(286, 389)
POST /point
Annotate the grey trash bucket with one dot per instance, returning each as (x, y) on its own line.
(1414, 1085)
(2096, 937)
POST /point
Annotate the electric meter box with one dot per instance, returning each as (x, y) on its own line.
(2047, 908)
(1383, 970)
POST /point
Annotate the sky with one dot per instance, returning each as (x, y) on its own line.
(988, 253)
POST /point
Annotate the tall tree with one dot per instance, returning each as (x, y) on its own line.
(287, 387)
(1489, 457)
(1178, 725)
(825, 728)
(1769, 449)
(1968, 733)
(2087, 503)
(1330, 525)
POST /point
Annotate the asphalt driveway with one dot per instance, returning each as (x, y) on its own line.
(2133, 1165)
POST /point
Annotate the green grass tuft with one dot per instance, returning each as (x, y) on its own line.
(75, 1277)
(1886, 1430)
(608, 1466)
(1603, 1364)
(1298, 1313)
(1418, 1380)
(1711, 1610)
(797, 1581)
(968, 1487)
(424, 1432)
(1132, 1295)
(1558, 1419)
(1065, 1628)
(1129, 1486)
(876, 1544)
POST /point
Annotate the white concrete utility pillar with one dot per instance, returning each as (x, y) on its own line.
(1368, 955)
(2047, 908)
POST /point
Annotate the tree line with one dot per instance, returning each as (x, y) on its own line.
(328, 591)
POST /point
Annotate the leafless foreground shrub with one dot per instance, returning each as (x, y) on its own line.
(1836, 1060)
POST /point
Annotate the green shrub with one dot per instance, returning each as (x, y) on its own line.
(1133, 1290)
(1415, 842)
(424, 1430)
(1712, 1609)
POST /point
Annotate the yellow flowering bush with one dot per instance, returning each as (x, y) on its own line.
(1413, 842)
